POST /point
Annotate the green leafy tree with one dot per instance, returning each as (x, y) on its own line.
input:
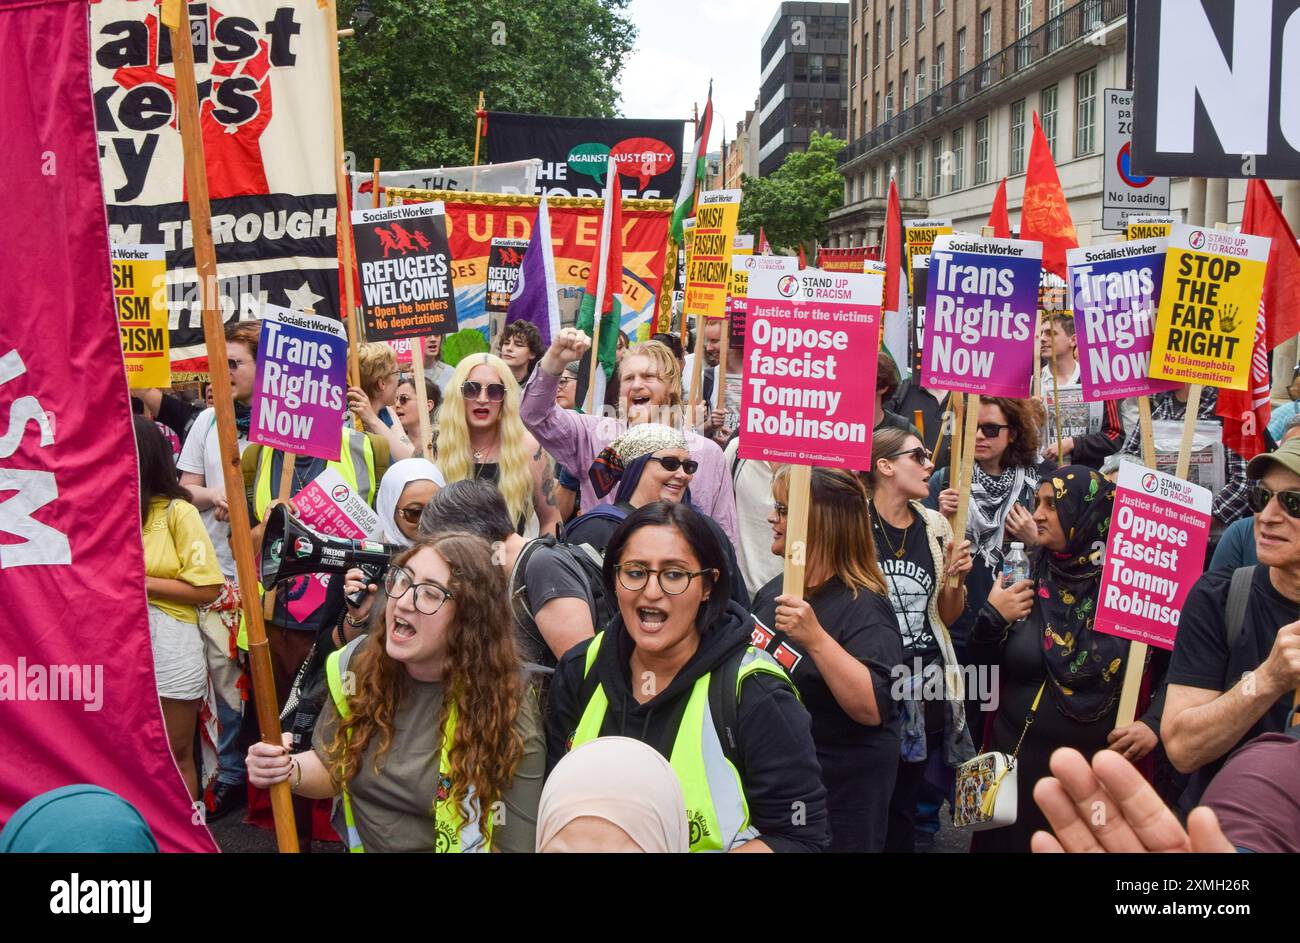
(411, 76)
(792, 203)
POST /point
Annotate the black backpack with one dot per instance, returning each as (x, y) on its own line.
(589, 563)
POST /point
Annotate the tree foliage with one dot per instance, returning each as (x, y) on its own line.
(411, 77)
(792, 203)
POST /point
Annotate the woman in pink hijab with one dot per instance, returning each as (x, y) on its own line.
(613, 794)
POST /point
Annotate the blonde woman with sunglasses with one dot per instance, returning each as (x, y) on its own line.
(480, 435)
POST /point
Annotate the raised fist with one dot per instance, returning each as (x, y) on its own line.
(569, 345)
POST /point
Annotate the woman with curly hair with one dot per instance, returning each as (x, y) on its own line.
(481, 436)
(436, 743)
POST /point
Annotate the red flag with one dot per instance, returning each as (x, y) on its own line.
(998, 218)
(764, 247)
(1044, 214)
(893, 249)
(802, 262)
(79, 697)
(1245, 413)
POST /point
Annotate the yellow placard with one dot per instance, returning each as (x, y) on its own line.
(708, 263)
(1148, 227)
(140, 300)
(1209, 306)
(919, 235)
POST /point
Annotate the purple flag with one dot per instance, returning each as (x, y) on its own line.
(534, 298)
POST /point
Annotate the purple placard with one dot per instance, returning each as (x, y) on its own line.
(1115, 291)
(300, 395)
(981, 315)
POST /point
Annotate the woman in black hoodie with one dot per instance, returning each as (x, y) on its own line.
(675, 670)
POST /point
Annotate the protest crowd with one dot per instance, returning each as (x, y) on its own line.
(742, 572)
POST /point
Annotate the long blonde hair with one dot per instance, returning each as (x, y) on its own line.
(839, 528)
(456, 458)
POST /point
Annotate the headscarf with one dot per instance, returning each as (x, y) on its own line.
(1083, 666)
(991, 500)
(399, 475)
(78, 819)
(617, 464)
(624, 782)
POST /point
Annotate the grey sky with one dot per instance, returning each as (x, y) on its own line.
(684, 43)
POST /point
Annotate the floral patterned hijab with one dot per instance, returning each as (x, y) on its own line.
(1083, 666)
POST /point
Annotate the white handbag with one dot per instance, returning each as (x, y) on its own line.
(986, 785)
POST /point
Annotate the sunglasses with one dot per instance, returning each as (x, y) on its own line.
(920, 453)
(411, 515)
(672, 463)
(496, 392)
(1258, 497)
(404, 398)
(991, 430)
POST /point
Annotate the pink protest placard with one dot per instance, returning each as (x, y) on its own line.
(330, 507)
(1115, 291)
(981, 315)
(402, 349)
(811, 343)
(1158, 532)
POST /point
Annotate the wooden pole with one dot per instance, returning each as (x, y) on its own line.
(343, 222)
(796, 529)
(918, 420)
(421, 398)
(957, 420)
(1189, 430)
(478, 125)
(205, 263)
(1148, 433)
(1038, 369)
(697, 372)
(612, 192)
(968, 456)
(1056, 408)
(374, 186)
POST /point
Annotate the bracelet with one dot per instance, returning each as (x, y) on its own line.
(355, 623)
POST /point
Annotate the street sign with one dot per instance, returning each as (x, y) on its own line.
(1126, 193)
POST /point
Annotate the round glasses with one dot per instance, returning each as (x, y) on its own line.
(496, 392)
(674, 581)
(429, 597)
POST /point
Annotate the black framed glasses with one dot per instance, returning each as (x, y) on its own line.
(673, 580)
(429, 597)
(1257, 496)
(920, 453)
(496, 392)
(672, 463)
(991, 430)
(781, 509)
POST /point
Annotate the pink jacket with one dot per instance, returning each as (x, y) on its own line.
(574, 440)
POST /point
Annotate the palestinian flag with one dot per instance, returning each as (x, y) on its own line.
(695, 179)
(607, 262)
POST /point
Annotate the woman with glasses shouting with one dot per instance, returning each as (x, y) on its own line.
(675, 669)
(841, 647)
(430, 736)
(925, 572)
(481, 436)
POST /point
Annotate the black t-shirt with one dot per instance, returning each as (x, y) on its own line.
(908, 565)
(859, 763)
(552, 573)
(1201, 657)
(178, 415)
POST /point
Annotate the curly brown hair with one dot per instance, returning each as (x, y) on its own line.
(481, 679)
(1024, 417)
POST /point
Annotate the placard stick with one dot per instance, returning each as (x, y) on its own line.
(697, 371)
(478, 125)
(1056, 407)
(1148, 435)
(796, 529)
(421, 398)
(343, 222)
(957, 420)
(918, 420)
(602, 278)
(1137, 651)
(374, 186)
(1189, 430)
(968, 457)
(1038, 364)
(205, 263)
(720, 375)
(695, 199)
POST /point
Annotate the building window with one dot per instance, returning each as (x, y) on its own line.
(907, 89)
(938, 6)
(815, 68)
(1085, 115)
(1024, 17)
(866, 59)
(939, 67)
(1047, 115)
(920, 15)
(832, 69)
(902, 178)
(920, 80)
(986, 34)
(1018, 136)
(875, 182)
(961, 52)
(936, 171)
(892, 38)
(982, 150)
(851, 190)
(875, 110)
(799, 68)
(902, 19)
(875, 44)
(889, 101)
(918, 172)
(1055, 25)
(958, 158)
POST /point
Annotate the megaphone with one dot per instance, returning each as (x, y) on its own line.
(291, 549)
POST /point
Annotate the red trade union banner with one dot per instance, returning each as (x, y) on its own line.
(846, 260)
(475, 219)
(77, 692)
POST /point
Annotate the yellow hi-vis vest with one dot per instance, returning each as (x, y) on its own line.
(455, 835)
(716, 809)
(356, 452)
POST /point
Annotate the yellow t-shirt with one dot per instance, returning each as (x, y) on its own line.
(181, 550)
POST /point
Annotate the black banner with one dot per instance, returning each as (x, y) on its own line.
(1214, 92)
(574, 152)
(405, 267)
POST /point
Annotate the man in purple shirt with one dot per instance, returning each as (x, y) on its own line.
(649, 388)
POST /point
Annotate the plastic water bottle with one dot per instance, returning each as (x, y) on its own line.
(1015, 565)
